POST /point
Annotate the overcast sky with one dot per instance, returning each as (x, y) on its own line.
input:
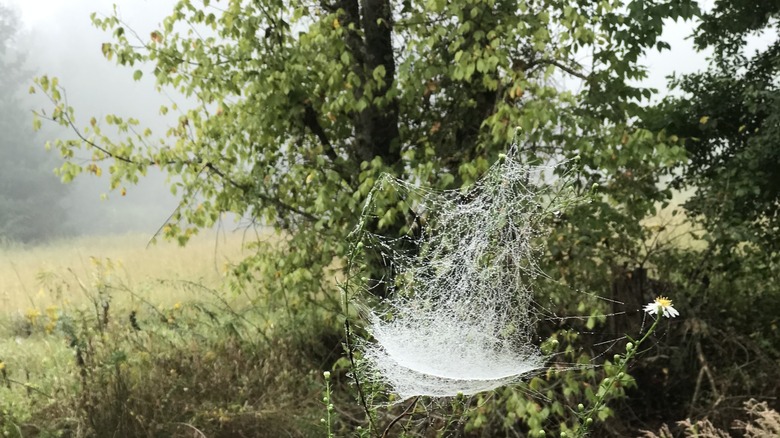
(62, 42)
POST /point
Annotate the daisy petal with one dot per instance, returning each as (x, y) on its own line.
(662, 306)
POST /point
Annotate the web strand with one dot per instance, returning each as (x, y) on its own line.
(459, 315)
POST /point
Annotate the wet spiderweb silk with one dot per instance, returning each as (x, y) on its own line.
(459, 315)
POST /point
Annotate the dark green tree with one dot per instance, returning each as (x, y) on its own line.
(729, 118)
(29, 191)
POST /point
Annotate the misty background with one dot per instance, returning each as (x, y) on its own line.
(57, 39)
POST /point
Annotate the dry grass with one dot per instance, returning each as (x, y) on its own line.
(106, 337)
(762, 422)
(28, 275)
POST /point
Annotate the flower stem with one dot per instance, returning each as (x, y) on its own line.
(586, 418)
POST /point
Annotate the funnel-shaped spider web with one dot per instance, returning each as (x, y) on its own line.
(457, 316)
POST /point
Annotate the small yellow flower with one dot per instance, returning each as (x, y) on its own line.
(662, 305)
(32, 315)
(52, 312)
(50, 326)
(2, 365)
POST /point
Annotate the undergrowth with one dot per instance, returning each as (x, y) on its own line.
(197, 368)
(240, 363)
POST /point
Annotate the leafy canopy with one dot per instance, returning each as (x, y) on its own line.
(298, 108)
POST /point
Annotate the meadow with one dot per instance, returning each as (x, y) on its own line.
(27, 272)
(104, 336)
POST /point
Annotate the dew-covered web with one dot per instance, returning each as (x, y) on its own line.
(457, 314)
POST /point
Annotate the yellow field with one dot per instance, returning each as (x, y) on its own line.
(52, 274)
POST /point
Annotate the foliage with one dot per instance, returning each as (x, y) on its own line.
(299, 108)
(725, 351)
(29, 192)
(728, 119)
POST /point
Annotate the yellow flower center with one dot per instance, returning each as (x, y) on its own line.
(663, 301)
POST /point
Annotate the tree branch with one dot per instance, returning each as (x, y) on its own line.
(197, 161)
(248, 190)
(557, 64)
(311, 122)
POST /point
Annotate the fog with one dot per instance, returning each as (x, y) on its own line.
(59, 40)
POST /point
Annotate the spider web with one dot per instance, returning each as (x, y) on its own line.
(457, 314)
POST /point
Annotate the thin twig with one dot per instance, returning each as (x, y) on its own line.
(398, 418)
(193, 428)
(561, 66)
(189, 162)
(27, 386)
(705, 370)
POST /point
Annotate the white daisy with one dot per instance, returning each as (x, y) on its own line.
(662, 305)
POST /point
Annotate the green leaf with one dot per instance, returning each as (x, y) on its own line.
(379, 73)
(107, 51)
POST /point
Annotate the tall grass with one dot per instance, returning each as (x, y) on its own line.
(105, 337)
(26, 272)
